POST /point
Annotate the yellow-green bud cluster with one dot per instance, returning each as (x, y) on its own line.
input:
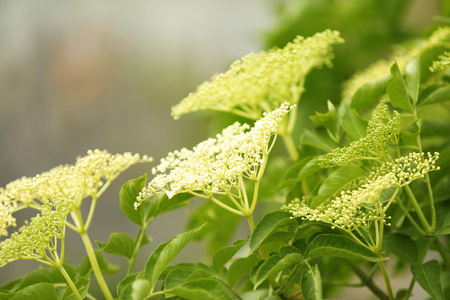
(357, 208)
(53, 194)
(261, 82)
(382, 131)
(214, 165)
(442, 63)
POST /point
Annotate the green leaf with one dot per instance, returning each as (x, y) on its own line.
(105, 266)
(223, 255)
(82, 285)
(397, 91)
(412, 79)
(118, 244)
(133, 287)
(165, 253)
(437, 96)
(312, 284)
(370, 92)
(401, 246)
(328, 120)
(353, 124)
(49, 275)
(428, 276)
(161, 204)
(319, 139)
(128, 193)
(205, 289)
(445, 229)
(273, 265)
(335, 182)
(239, 267)
(340, 246)
(125, 287)
(176, 277)
(269, 224)
(38, 291)
(410, 138)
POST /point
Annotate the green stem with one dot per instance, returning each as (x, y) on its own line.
(442, 252)
(139, 240)
(251, 224)
(410, 288)
(410, 218)
(419, 212)
(386, 280)
(290, 146)
(70, 282)
(95, 267)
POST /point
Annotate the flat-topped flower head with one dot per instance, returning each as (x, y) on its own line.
(442, 63)
(214, 165)
(70, 182)
(261, 82)
(402, 56)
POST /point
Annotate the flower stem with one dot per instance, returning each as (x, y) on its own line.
(442, 252)
(366, 280)
(70, 282)
(386, 280)
(419, 212)
(95, 267)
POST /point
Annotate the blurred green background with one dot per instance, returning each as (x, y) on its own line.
(83, 75)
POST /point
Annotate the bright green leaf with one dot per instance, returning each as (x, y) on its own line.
(125, 287)
(205, 289)
(401, 246)
(340, 246)
(328, 120)
(428, 276)
(312, 284)
(320, 139)
(128, 193)
(105, 266)
(160, 204)
(273, 265)
(82, 285)
(269, 224)
(38, 291)
(223, 255)
(176, 277)
(353, 124)
(439, 95)
(410, 138)
(397, 91)
(412, 79)
(335, 182)
(370, 92)
(165, 253)
(118, 244)
(239, 267)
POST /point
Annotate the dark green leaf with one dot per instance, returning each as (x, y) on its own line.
(223, 255)
(105, 266)
(118, 244)
(428, 276)
(445, 229)
(128, 193)
(312, 284)
(335, 182)
(353, 124)
(125, 287)
(161, 204)
(205, 289)
(239, 267)
(370, 92)
(269, 224)
(439, 95)
(401, 246)
(165, 253)
(340, 246)
(50, 275)
(38, 291)
(397, 91)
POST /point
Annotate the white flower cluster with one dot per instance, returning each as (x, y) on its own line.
(402, 56)
(357, 208)
(261, 82)
(382, 130)
(69, 182)
(442, 63)
(214, 165)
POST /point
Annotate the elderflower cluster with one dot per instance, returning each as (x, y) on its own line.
(69, 182)
(442, 63)
(214, 165)
(359, 207)
(382, 130)
(402, 56)
(261, 82)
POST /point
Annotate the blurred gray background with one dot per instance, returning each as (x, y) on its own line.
(81, 75)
